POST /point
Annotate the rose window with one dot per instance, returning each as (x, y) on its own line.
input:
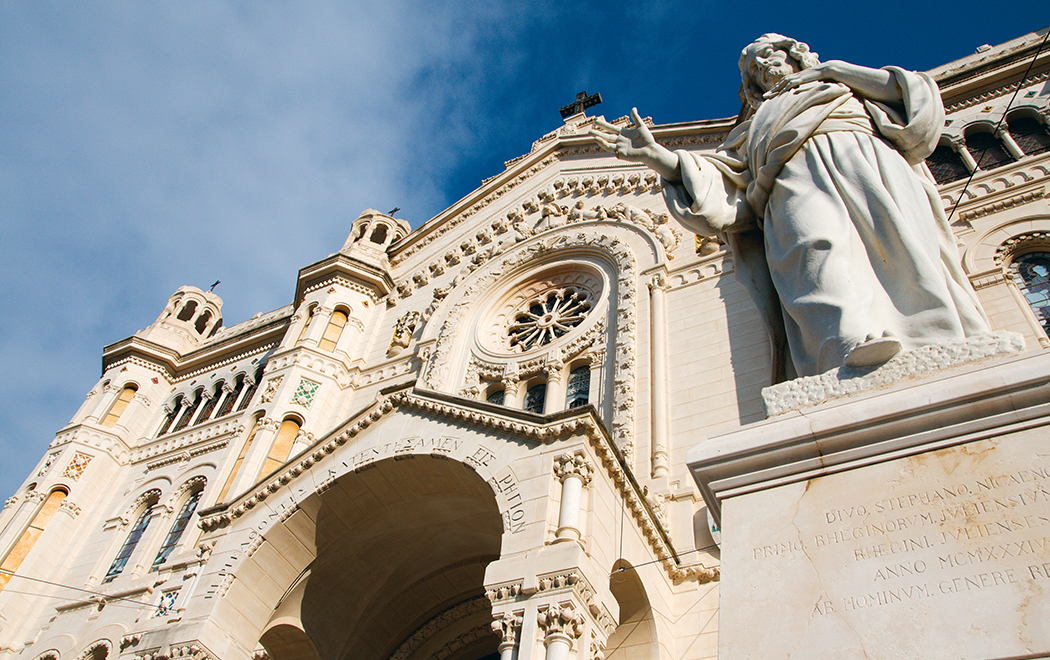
(548, 316)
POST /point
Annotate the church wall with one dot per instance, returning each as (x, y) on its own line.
(718, 362)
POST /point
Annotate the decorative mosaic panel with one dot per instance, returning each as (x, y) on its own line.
(76, 466)
(304, 393)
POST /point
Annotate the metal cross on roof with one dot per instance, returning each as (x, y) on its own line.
(582, 102)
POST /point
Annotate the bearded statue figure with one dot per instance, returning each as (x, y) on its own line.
(822, 193)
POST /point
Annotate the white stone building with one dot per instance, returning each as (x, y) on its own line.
(468, 440)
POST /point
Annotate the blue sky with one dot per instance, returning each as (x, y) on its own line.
(144, 146)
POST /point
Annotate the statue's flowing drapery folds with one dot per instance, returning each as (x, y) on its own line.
(835, 225)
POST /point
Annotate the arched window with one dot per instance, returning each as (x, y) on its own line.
(202, 322)
(1031, 274)
(231, 399)
(246, 400)
(496, 396)
(210, 403)
(177, 528)
(240, 459)
(282, 446)
(187, 413)
(170, 417)
(577, 392)
(332, 333)
(987, 150)
(379, 234)
(29, 537)
(188, 311)
(946, 165)
(1030, 134)
(535, 398)
(310, 313)
(117, 409)
(126, 550)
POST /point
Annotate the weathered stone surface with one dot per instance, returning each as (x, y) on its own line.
(843, 381)
(944, 554)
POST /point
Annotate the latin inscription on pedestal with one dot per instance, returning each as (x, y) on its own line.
(940, 555)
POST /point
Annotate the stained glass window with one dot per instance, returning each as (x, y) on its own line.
(177, 528)
(987, 150)
(946, 165)
(137, 530)
(1029, 134)
(547, 317)
(496, 397)
(1031, 273)
(535, 397)
(578, 390)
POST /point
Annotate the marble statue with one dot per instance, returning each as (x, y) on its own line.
(822, 194)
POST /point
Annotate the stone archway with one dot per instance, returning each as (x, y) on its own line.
(636, 635)
(401, 552)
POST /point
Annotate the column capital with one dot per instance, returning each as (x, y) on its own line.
(573, 465)
(558, 620)
(507, 627)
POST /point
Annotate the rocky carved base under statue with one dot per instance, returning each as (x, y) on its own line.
(845, 381)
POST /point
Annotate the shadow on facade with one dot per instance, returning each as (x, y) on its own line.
(401, 554)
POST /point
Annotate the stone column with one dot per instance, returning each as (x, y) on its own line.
(574, 473)
(512, 394)
(967, 158)
(508, 627)
(555, 398)
(1003, 133)
(658, 385)
(104, 402)
(560, 626)
(322, 314)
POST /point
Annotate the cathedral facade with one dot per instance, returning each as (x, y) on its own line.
(469, 440)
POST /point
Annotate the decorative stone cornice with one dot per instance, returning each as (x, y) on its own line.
(996, 93)
(502, 592)
(192, 651)
(582, 421)
(130, 640)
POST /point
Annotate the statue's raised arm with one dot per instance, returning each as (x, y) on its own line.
(855, 261)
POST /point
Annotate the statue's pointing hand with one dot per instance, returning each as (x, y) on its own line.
(635, 143)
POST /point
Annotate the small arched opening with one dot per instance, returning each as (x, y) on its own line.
(635, 636)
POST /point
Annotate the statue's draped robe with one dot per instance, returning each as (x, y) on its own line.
(827, 205)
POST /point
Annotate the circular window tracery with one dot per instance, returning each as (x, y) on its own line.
(542, 310)
(548, 316)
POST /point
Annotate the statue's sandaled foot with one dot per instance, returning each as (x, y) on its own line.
(873, 351)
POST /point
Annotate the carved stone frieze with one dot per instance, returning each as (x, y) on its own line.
(437, 624)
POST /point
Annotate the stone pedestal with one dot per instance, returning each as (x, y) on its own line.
(907, 522)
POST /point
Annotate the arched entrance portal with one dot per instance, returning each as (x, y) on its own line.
(402, 548)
